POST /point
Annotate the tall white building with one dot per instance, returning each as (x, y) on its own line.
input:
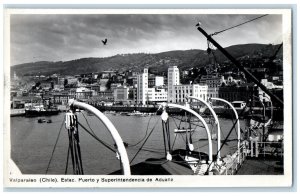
(142, 87)
(173, 79)
(156, 81)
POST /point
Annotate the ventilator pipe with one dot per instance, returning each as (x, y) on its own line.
(113, 131)
(217, 122)
(238, 122)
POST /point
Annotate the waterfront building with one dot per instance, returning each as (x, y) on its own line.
(157, 94)
(132, 96)
(213, 92)
(155, 81)
(173, 79)
(61, 98)
(121, 94)
(237, 93)
(21, 101)
(181, 92)
(142, 87)
(106, 95)
(212, 80)
(83, 93)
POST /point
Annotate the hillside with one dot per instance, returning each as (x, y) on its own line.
(159, 62)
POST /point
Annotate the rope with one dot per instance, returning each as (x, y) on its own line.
(191, 123)
(174, 141)
(67, 162)
(78, 150)
(142, 145)
(71, 148)
(163, 129)
(55, 146)
(238, 25)
(88, 123)
(145, 133)
(95, 137)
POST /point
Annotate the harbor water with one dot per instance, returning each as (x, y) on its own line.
(32, 143)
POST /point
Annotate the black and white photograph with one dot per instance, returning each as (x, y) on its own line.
(143, 98)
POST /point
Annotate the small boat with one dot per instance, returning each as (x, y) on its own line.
(49, 121)
(41, 120)
(183, 130)
(136, 113)
(124, 113)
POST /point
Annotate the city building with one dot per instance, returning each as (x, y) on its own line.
(155, 81)
(83, 93)
(181, 92)
(212, 80)
(121, 94)
(156, 95)
(173, 79)
(142, 87)
(213, 92)
(237, 93)
(61, 98)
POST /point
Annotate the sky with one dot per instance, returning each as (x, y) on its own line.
(62, 37)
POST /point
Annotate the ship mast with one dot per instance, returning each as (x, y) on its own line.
(236, 63)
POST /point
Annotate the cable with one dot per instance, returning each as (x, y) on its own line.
(215, 33)
(54, 146)
(145, 133)
(88, 123)
(95, 137)
(67, 162)
(93, 134)
(142, 145)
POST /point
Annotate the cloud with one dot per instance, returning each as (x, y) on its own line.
(65, 37)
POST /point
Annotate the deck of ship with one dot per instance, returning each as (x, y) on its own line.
(262, 166)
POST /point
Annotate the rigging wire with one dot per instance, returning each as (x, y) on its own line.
(143, 144)
(54, 146)
(191, 123)
(95, 137)
(67, 162)
(94, 134)
(88, 123)
(218, 32)
(145, 133)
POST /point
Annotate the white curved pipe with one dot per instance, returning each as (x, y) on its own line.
(113, 131)
(217, 122)
(238, 122)
(203, 122)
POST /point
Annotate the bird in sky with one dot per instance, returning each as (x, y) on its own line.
(104, 41)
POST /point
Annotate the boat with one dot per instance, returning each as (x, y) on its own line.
(226, 112)
(49, 121)
(39, 110)
(41, 120)
(136, 113)
(183, 130)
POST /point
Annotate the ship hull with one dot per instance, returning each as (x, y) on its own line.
(33, 113)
